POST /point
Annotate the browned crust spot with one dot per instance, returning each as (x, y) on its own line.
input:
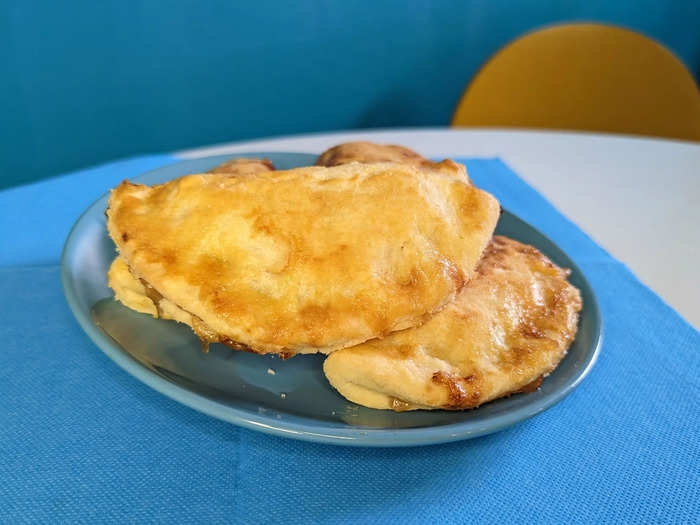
(529, 329)
(461, 398)
(399, 405)
(458, 396)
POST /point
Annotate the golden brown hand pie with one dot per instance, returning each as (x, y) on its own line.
(507, 328)
(312, 259)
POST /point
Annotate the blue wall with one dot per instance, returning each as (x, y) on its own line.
(87, 81)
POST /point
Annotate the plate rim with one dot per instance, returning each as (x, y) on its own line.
(348, 436)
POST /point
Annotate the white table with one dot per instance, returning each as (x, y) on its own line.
(637, 197)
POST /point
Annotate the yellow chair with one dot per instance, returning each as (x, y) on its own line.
(584, 77)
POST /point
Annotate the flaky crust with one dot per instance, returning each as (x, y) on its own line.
(312, 259)
(509, 326)
(132, 292)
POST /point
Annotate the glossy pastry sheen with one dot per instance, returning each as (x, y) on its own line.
(134, 294)
(507, 328)
(311, 259)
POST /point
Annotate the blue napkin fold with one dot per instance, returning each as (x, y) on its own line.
(82, 441)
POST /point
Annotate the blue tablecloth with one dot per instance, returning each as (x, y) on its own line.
(80, 440)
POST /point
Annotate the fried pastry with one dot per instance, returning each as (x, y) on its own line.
(310, 260)
(510, 326)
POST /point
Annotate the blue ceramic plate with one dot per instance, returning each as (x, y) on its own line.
(295, 401)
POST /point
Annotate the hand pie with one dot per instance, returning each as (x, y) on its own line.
(310, 260)
(507, 328)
